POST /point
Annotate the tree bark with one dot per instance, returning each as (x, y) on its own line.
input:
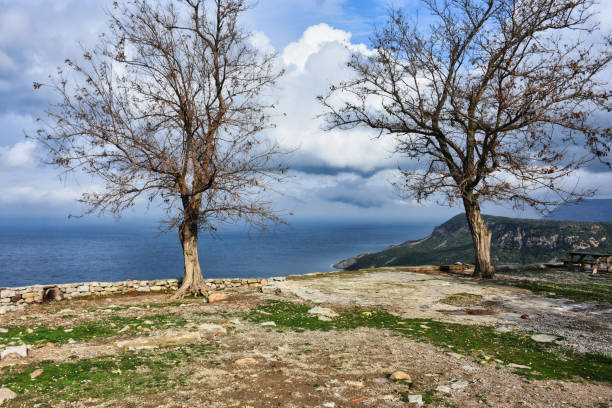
(482, 240)
(193, 281)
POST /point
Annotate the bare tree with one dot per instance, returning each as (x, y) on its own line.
(169, 107)
(494, 101)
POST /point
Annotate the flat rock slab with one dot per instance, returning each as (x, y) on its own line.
(212, 328)
(21, 351)
(165, 340)
(6, 395)
(543, 338)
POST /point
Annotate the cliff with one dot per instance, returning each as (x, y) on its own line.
(514, 240)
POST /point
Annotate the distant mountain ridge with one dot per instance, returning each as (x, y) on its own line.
(514, 240)
(596, 210)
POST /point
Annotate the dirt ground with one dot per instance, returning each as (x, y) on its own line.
(259, 365)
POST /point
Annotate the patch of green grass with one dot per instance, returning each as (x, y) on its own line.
(107, 377)
(462, 299)
(546, 361)
(87, 330)
(587, 292)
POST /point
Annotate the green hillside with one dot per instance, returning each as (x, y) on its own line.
(514, 240)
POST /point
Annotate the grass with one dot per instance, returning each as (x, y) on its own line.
(581, 292)
(483, 342)
(107, 377)
(98, 328)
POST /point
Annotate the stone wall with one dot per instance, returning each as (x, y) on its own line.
(40, 293)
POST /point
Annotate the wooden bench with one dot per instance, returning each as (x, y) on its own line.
(592, 259)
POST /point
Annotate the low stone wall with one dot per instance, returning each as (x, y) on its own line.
(40, 293)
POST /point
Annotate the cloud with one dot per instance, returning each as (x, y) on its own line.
(19, 155)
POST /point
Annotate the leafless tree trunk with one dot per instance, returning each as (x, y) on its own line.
(170, 108)
(495, 101)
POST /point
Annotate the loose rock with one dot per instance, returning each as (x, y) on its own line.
(3, 330)
(6, 395)
(415, 399)
(400, 375)
(268, 324)
(323, 311)
(443, 388)
(36, 373)
(21, 351)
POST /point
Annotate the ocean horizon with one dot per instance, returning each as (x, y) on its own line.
(55, 254)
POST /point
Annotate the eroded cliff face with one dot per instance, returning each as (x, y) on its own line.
(518, 237)
(513, 241)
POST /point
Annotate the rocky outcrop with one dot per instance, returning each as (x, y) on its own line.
(514, 241)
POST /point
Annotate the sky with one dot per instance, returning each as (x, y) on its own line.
(334, 175)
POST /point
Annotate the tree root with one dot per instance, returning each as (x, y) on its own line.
(191, 289)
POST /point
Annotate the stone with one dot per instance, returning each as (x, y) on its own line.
(3, 330)
(6, 395)
(513, 365)
(379, 380)
(66, 311)
(329, 404)
(357, 384)
(457, 385)
(36, 373)
(272, 324)
(212, 328)
(164, 340)
(525, 317)
(67, 330)
(388, 397)
(29, 330)
(443, 388)
(503, 329)
(217, 297)
(400, 375)
(415, 399)
(83, 288)
(7, 293)
(543, 338)
(323, 311)
(245, 361)
(21, 351)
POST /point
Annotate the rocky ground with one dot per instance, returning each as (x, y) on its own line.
(384, 338)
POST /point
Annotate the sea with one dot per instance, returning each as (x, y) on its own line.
(120, 251)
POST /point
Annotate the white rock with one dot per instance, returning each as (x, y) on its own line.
(459, 385)
(443, 388)
(21, 351)
(3, 330)
(518, 366)
(415, 399)
(329, 404)
(503, 329)
(6, 395)
(66, 311)
(268, 324)
(543, 338)
(212, 328)
(323, 311)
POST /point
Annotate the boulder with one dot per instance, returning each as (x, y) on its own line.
(400, 375)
